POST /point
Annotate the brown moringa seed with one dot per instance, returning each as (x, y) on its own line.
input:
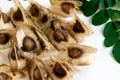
(18, 53)
(4, 38)
(74, 52)
(52, 25)
(44, 18)
(78, 28)
(37, 74)
(18, 15)
(59, 71)
(6, 18)
(60, 35)
(66, 7)
(28, 44)
(3, 76)
(34, 10)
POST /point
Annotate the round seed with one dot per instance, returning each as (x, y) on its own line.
(4, 38)
(37, 74)
(34, 11)
(44, 18)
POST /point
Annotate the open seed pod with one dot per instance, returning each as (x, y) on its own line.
(7, 32)
(78, 29)
(17, 59)
(78, 54)
(29, 37)
(7, 74)
(40, 15)
(65, 7)
(57, 35)
(37, 70)
(58, 69)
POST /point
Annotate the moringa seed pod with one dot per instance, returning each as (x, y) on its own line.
(7, 74)
(58, 69)
(7, 32)
(37, 70)
(40, 15)
(64, 7)
(17, 59)
(78, 54)
(78, 29)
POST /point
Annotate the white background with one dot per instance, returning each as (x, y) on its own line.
(104, 66)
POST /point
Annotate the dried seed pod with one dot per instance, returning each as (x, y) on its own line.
(59, 37)
(17, 59)
(58, 69)
(7, 74)
(64, 7)
(40, 15)
(32, 39)
(78, 29)
(78, 54)
(37, 70)
(7, 32)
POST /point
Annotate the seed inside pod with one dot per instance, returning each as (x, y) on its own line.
(60, 35)
(4, 38)
(52, 25)
(78, 28)
(74, 52)
(34, 10)
(18, 15)
(59, 71)
(3, 76)
(17, 52)
(6, 19)
(28, 44)
(66, 7)
(37, 74)
(44, 18)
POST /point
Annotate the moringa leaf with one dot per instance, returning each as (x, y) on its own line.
(118, 13)
(111, 36)
(90, 7)
(111, 3)
(110, 12)
(116, 52)
(100, 17)
(104, 4)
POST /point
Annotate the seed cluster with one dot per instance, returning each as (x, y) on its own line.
(37, 33)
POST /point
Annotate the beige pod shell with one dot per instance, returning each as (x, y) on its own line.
(78, 54)
(37, 70)
(29, 37)
(40, 15)
(7, 74)
(7, 32)
(78, 29)
(65, 8)
(17, 59)
(58, 69)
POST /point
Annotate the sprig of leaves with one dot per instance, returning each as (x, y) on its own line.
(102, 11)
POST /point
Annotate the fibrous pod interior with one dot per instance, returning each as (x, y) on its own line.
(40, 15)
(78, 54)
(64, 7)
(17, 59)
(58, 69)
(37, 70)
(7, 32)
(78, 29)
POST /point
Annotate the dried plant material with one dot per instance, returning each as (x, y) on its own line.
(7, 32)
(37, 70)
(7, 74)
(58, 69)
(17, 59)
(78, 29)
(65, 8)
(40, 15)
(78, 54)
(32, 39)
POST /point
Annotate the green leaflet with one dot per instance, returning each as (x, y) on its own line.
(110, 3)
(118, 13)
(90, 7)
(116, 52)
(104, 4)
(110, 12)
(100, 17)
